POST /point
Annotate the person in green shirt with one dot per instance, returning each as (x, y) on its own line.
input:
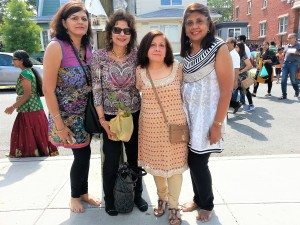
(29, 135)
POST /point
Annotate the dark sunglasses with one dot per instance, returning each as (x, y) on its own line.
(118, 30)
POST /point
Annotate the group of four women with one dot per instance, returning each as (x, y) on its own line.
(196, 93)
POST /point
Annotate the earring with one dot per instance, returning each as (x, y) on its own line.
(208, 31)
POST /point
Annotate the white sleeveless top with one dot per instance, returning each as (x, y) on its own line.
(201, 95)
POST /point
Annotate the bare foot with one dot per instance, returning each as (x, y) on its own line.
(189, 207)
(91, 200)
(204, 215)
(76, 206)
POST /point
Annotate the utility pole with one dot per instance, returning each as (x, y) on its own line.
(108, 6)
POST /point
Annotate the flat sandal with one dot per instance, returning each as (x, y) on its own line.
(160, 210)
(174, 217)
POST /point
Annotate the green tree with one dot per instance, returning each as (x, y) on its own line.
(222, 7)
(18, 30)
(32, 5)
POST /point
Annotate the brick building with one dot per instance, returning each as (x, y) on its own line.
(269, 20)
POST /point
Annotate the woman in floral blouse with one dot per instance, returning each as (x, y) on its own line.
(113, 78)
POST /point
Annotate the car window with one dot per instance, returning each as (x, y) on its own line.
(5, 60)
(35, 62)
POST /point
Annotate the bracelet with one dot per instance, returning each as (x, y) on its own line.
(61, 130)
(54, 117)
(218, 123)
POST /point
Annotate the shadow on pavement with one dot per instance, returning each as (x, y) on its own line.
(259, 116)
(17, 171)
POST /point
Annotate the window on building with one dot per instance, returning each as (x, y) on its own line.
(237, 12)
(171, 2)
(249, 7)
(262, 29)
(264, 4)
(219, 33)
(283, 24)
(248, 32)
(171, 31)
(234, 32)
(45, 39)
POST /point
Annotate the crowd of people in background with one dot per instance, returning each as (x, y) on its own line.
(195, 93)
(278, 62)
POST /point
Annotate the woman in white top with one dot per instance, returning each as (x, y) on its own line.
(207, 85)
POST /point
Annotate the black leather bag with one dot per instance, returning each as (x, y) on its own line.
(124, 188)
(91, 121)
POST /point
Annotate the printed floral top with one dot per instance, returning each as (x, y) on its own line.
(71, 93)
(34, 102)
(114, 82)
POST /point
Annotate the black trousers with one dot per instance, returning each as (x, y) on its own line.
(80, 171)
(201, 180)
(270, 84)
(112, 152)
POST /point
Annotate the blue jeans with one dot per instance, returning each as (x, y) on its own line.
(235, 96)
(289, 69)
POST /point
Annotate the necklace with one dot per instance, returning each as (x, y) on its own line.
(118, 56)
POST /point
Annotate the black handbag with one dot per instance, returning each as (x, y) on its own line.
(91, 121)
(124, 187)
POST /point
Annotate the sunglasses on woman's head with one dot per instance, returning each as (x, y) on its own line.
(118, 30)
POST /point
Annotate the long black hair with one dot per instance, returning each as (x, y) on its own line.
(24, 57)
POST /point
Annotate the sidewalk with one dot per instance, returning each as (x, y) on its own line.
(259, 190)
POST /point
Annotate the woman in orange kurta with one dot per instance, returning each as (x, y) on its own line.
(159, 157)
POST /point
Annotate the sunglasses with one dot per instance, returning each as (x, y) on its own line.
(118, 30)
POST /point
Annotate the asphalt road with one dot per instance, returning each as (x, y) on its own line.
(272, 128)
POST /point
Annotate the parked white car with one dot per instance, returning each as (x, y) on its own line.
(9, 74)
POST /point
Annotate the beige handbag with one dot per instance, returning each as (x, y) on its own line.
(177, 132)
(246, 83)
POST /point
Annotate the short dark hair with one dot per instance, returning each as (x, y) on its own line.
(113, 19)
(242, 38)
(142, 54)
(273, 43)
(210, 36)
(63, 13)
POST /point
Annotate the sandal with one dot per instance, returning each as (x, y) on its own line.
(174, 217)
(160, 210)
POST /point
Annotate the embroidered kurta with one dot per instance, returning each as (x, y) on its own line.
(71, 93)
(34, 102)
(201, 95)
(156, 154)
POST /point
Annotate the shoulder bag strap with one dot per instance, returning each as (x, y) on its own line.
(156, 96)
(79, 60)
